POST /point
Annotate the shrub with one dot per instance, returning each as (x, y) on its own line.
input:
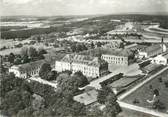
(136, 101)
(166, 84)
(150, 87)
(160, 79)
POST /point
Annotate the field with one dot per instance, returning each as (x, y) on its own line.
(145, 92)
(132, 113)
(10, 43)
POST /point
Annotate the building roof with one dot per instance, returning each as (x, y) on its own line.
(152, 48)
(68, 58)
(131, 46)
(83, 59)
(118, 52)
(151, 67)
(123, 82)
(29, 66)
(87, 97)
(52, 57)
(165, 55)
(160, 57)
(49, 58)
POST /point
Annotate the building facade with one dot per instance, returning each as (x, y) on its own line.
(159, 60)
(27, 70)
(151, 51)
(89, 66)
(118, 57)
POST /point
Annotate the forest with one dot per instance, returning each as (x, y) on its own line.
(98, 24)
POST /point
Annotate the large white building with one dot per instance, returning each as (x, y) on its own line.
(160, 59)
(27, 70)
(118, 57)
(89, 66)
(151, 51)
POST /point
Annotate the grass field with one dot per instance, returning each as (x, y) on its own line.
(132, 113)
(145, 92)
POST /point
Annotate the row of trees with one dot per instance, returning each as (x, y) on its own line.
(29, 32)
(76, 47)
(14, 95)
(17, 96)
(107, 98)
(26, 55)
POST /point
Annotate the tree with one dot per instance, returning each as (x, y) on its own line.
(166, 84)
(41, 56)
(20, 98)
(25, 59)
(95, 112)
(52, 75)
(121, 45)
(62, 78)
(79, 47)
(17, 61)
(44, 71)
(83, 47)
(27, 112)
(112, 107)
(92, 45)
(38, 39)
(73, 48)
(68, 84)
(32, 52)
(67, 72)
(82, 80)
(37, 102)
(11, 58)
(7, 84)
(103, 93)
(64, 108)
(98, 44)
(15, 100)
(42, 51)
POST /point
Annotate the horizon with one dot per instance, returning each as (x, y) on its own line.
(133, 13)
(84, 7)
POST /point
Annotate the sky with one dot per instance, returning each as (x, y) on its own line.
(80, 7)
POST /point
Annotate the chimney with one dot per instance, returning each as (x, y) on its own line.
(162, 43)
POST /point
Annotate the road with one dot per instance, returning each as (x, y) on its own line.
(143, 110)
(154, 31)
(38, 79)
(131, 70)
(150, 40)
(96, 83)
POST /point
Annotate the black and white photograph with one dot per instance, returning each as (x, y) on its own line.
(83, 58)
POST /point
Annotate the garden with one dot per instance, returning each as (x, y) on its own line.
(152, 95)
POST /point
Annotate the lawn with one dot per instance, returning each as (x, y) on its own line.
(131, 113)
(145, 92)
